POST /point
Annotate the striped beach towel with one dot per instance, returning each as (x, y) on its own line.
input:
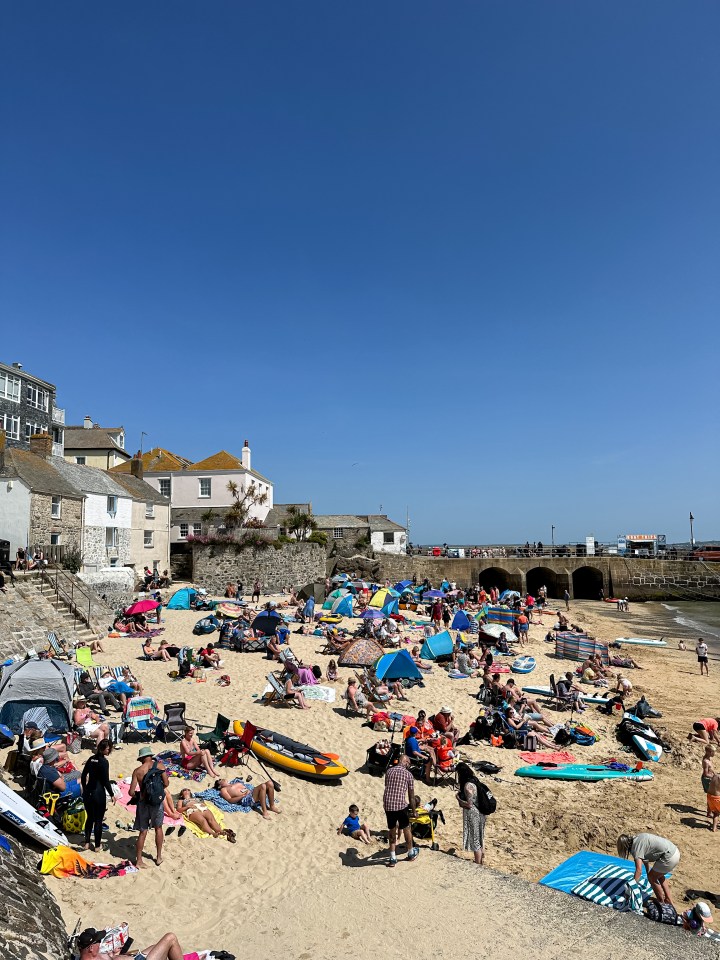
(616, 887)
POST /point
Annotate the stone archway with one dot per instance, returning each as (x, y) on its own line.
(557, 582)
(587, 583)
(500, 578)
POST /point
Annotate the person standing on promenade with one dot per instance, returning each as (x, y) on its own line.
(399, 806)
(567, 599)
(149, 781)
(701, 649)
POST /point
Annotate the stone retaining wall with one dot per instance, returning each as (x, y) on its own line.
(116, 584)
(26, 618)
(295, 564)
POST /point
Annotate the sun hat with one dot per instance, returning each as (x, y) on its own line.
(144, 752)
(90, 936)
(445, 710)
(39, 744)
(703, 910)
(50, 755)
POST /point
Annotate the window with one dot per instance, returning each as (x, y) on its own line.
(57, 434)
(148, 541)
(80, 460)
(37, 397)
(111, 538)
(11, 426)
(205, 485)
(338, 533)
(149, 510)
(165, 486)
(32, 428)
(183, 530)
(55, 507)
(197, 529)
(112, 505)
(54, 539)
(388, 537)
(9, 387)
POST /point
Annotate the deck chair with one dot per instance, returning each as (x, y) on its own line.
(217, 733)
(83, 656)
(56, 647)
(172, 727)
(140, 718)
(333, 649)
(287, 656)
(445, 774)
(557, 701)
(368, 689)
(277, 695)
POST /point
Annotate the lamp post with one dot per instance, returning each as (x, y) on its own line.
(552, 538)
(692, 538)
(142, 439)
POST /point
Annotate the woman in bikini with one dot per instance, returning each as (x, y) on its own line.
(197, 813)
(194, 756)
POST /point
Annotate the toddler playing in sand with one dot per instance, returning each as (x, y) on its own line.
(351, 826)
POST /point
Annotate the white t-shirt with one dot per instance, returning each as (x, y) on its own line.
(701, 649)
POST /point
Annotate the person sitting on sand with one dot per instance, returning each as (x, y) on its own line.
(263, 795)
(195, 757)
(357, 699)
(89, 723)
(209, 657)
(198, 813)
(463, 664)
(646, 849)
(444, 723)
(138, 623)
(169, 808)
(230, 591)
(618, 660)
(273, 647)
(623, 684)
(705, 731)
(331, 675)
(518, 697)
(151, 654)
(563, 622)
(681, 645)
(351, 826)
(291, 691)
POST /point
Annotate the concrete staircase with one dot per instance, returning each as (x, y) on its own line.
(68, 619)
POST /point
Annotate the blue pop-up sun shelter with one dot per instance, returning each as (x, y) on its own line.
(343, 606)
(439, 645)
(460, 621)
(398, 665)
(180, 600)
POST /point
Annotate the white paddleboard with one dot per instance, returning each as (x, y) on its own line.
(19, 812)
(641, 642)
(649, 750)
(547, 692)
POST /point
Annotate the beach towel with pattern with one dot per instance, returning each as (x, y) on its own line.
(220, 802)
(173, 762)
(616, 887)
(63, 862)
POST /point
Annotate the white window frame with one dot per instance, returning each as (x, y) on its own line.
(391, 535)
(186, 527)
(54, 539)
(112, 505)
(168, 481)
(338, 533)
(197, 529)
(33, 428)
(11, 425)
(81, 461)
(148, 538)
(8, 392)
(149, 510)
(111, 538)
(37, 397)
(201, 481)
(56, 508)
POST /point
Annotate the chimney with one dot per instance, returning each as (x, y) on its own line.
(18, 366)
(136, 467)
(41, 445)
(3, 438)
(246, 455)
(87, 423)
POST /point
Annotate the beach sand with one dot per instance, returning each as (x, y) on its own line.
(291, 885)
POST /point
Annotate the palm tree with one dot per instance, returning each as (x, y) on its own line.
(238, 514)
(299, 523)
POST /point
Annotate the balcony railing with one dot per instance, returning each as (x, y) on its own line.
(58, 449)
(58, 415)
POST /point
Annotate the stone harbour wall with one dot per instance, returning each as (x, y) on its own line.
(115, 584)
(294, 565)
(26, 618)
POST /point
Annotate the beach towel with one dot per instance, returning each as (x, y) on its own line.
(222, 804)
(195, 829)
(560, 756)
(63, 862)
(173, 762)
(124, 801)
(325, 694)
(616, 887)
(144, 634)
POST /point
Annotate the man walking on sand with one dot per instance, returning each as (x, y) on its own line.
(149, 782)
(399, 806)
(701, 649)
(256, 592)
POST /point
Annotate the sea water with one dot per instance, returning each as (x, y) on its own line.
(687, 620)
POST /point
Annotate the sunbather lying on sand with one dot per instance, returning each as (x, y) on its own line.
(201, 816)
(244, 797)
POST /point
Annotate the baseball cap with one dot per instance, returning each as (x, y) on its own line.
(90, 936)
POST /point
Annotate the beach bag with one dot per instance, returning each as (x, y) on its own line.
(115, 939)
(74, 818)
(509, 741)
(662, 912)
(562, 737)
(487, 804)
(485, 766)
(153, 788)
(74, 742)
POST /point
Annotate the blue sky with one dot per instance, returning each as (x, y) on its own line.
(460, 258)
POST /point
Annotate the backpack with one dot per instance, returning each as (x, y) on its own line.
(486, 801)
(662, 912)
(153, 787)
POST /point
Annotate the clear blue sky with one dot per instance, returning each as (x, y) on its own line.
(457, 257)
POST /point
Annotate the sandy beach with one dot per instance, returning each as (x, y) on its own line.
(292, 883)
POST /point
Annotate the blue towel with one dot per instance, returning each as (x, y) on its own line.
(214, 797)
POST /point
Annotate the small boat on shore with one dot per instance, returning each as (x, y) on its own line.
(523, 665)
(640, 642)
(293, 757)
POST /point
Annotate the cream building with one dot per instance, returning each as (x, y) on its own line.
(95, 446)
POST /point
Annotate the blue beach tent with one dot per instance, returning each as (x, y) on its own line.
(401, 584)
(392, 606)
(180, 600)
(460, 621)
(439, 645)
(343, 606)
(398, 665)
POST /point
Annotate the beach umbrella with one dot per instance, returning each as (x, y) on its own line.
(230, 609)
(433, 595)
(142, 606)
(267, 622)
(401, 585)
(372, 614)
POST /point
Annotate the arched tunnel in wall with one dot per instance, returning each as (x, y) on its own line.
(587, 583)
(497, 577)
(556, 583)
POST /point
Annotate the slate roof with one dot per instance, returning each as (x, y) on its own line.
(38, 473)
(278, 515)
(378, 521)
(140, 490)
(96, 438)
(328, 521)
(88, 479)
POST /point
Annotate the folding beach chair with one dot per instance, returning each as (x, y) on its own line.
(287, 656)
(141, 718)
(217, 734)
(172, 726)
(277, 695)
(56, 647)
(83, 656)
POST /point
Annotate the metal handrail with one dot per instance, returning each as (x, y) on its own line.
(68, 594)
(559, 552)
